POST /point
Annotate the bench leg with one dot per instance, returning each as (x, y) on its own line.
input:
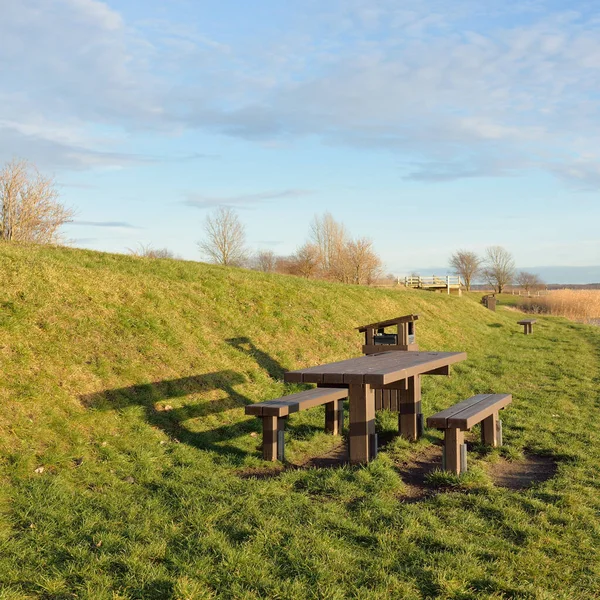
(453, 440)
(273, 439)
(334, 417)
(410, 408)
(530, 328)
(489, 431)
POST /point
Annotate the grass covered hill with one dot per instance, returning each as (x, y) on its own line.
(129, 470)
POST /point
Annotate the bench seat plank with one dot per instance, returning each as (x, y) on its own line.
(440, 420)
(282, 407)
(471, 415)
(526, 321)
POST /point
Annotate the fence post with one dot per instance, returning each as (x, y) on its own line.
(448, 283)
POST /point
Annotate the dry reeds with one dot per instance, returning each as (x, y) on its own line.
(577, 305)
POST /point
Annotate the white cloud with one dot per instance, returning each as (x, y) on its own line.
(196, 200)
(463, 89)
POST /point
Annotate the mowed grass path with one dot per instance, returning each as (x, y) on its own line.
(123, 383)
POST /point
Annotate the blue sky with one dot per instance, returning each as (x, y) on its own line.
(427, 126)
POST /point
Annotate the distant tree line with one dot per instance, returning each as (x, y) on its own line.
(496, 267)
(329, 252)
(30, 211)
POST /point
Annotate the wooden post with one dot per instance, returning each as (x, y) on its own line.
(489, 430)
(453, 440)
(270, 427)
(410, 407)
(448, 283)
(362, 421)
(330, 418)
(334, 417)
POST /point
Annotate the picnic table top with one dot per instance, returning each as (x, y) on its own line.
(376, 369)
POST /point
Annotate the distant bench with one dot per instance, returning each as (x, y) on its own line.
(459, 418)
(274, 413)
(527, 325)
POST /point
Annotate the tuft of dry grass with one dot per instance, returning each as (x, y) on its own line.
(578, 305)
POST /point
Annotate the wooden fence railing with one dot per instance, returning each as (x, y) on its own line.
(446, 281)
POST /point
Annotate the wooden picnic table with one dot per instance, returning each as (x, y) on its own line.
(388, 370)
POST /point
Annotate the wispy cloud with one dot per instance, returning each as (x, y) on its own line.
(437, 83)
(107, 224)
(196, 200)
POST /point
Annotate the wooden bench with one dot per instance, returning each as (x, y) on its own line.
(527, 325)
(459, 418)
(274, 413)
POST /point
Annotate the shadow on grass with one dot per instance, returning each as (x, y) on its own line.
(263, 360)
(153, 397)
(171, 420)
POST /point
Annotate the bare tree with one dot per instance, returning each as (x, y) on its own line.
(29, 206)
(265, 260)
(329, 238)
(285, 265)
(499, 268)
(466, 264)
(529, 281)
(306, 261)
(225, 242)
(147, 251)
(363, 265)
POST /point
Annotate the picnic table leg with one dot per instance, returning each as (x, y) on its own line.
(410, 416)
(362, 422)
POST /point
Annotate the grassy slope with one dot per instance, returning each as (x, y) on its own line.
(140, 502)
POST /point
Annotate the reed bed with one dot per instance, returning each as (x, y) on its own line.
(577, 305)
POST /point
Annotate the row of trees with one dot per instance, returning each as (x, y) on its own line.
(496, 267)
(30, 211)
(329, 252)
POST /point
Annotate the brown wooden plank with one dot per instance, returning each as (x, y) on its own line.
(389, 322)
(293, 377)
(427, 361)
(476, 413)
(453, 439)
(282, 407)
(377, 348)
(377, 369)
(489, 430)
(254, 409)
(440, 419)
(526, 321)
(409, 400)
(332, 419)
(362, 422)
(445, 370)
(386, 399)
(270, 438)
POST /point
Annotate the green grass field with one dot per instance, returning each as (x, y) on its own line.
(126, 459)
